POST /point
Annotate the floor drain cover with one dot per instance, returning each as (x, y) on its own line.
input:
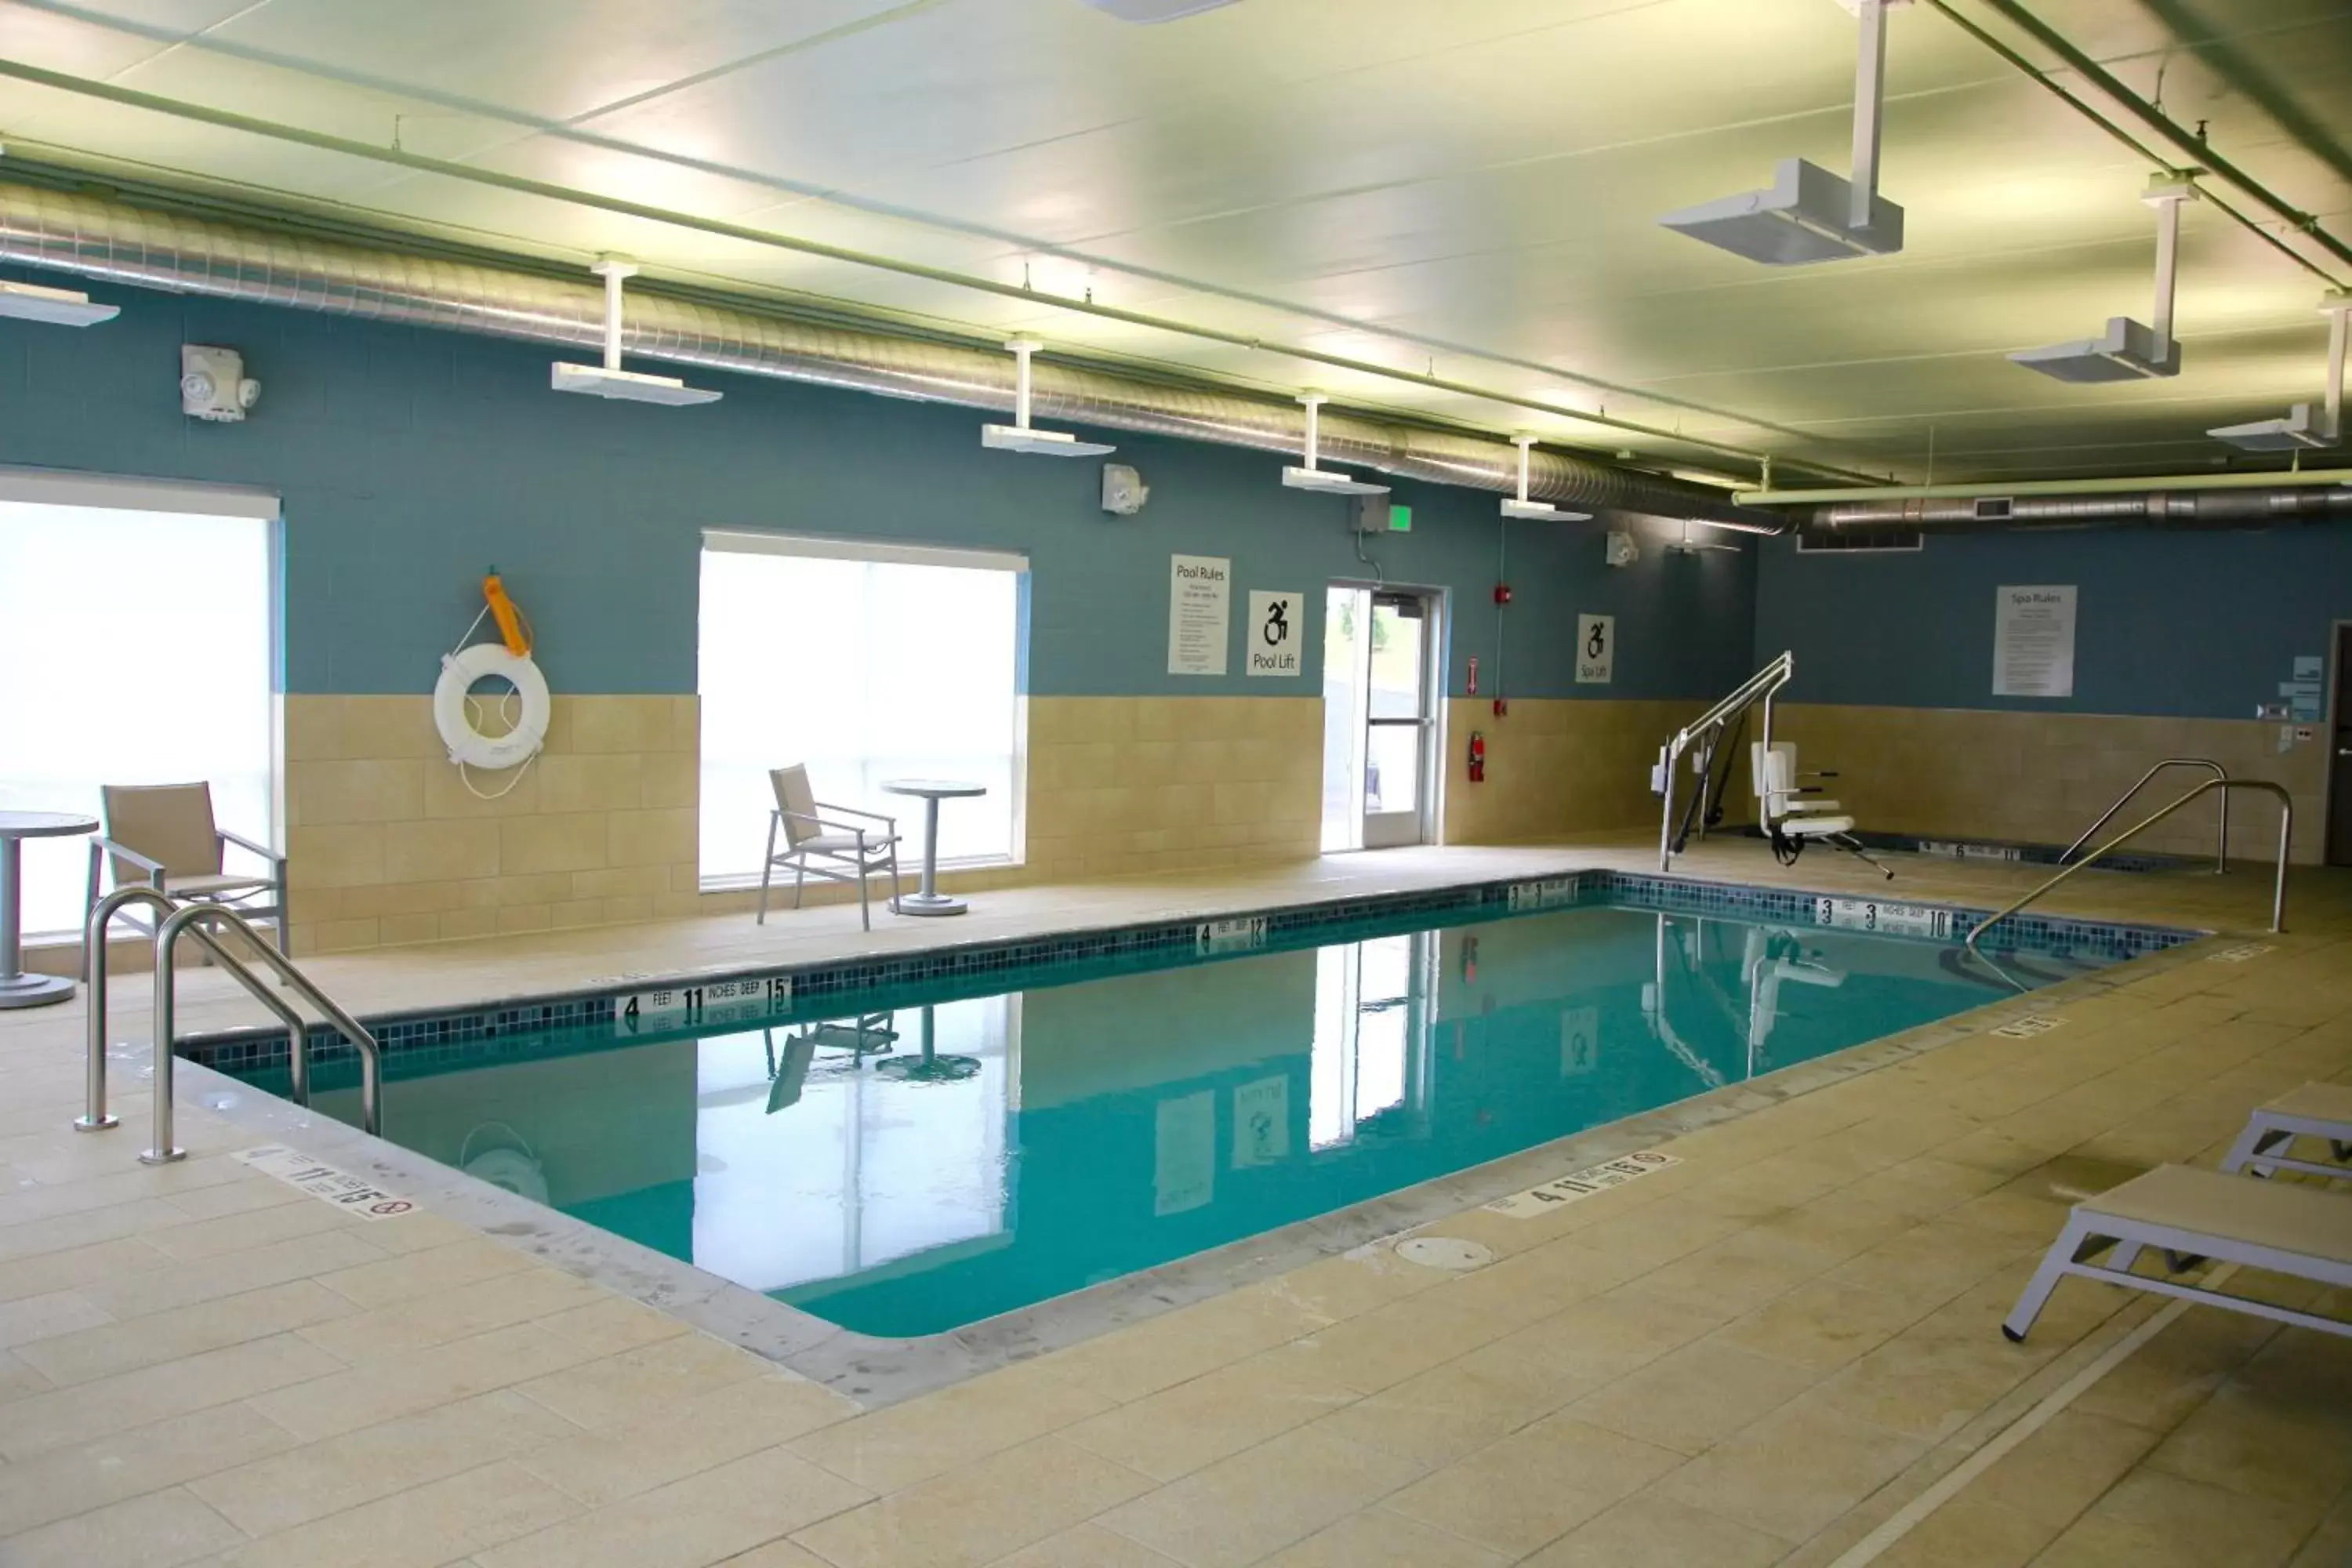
(1444, 1252)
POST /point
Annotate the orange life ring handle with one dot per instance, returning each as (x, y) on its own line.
(514, 627)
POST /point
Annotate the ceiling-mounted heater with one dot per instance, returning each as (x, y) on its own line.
(1021, 435)
(609, 380)
(2127, 351)
(1535, 511)
(2299, 431)
(1325, 480)
(1809, 214)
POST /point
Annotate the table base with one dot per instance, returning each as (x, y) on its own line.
(33, 989)
(928, 904)
(929, 1070)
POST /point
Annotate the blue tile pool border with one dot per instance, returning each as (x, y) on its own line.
(443, 1034)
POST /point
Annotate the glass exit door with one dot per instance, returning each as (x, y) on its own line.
(1379, 661)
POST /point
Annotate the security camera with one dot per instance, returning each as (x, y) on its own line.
(213, 383)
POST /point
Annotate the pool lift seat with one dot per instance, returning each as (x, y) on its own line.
(1795, 814)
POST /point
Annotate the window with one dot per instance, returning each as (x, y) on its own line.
(89, 593)
(867, 662)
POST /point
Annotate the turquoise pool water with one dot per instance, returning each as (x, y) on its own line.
(1061, 1132)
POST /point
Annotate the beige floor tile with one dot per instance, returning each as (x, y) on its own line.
(17, 1380)
(1083, 1546)
(1391, 1343)
(54, 1271)
(977, 1513)
(2275, 1442)
(1932, 1263)
(1532, 1284)
(1436, 1417)
(69, 1416)
(66, 1482)
(1970, 1533)
(1821, 1325)
(1690, 1399)
(393, 1386)
(1178, 1430)
(610, 1325)
(2063, 1468)
(771, 1554)
(908, 1443)
(2154, 1521)
(686, 1438)
(159, 1530)
(422, 1321)
(126, 1346)
(164, 1285)
(326, 1476)
(1179, 1345)
(612, 1390)
(32, 1317)
(1597, 1341)
(1536, 1485)
(241, 1232)
(2329, 1545)
(703, 1519)
(423, 1273)
(1733, 1276)
(420, 1527)
(1378, 1538)
(1647, 1532)
(1358, 1281)
(1927, 1385)
(1794, 1472)
(1656, 1235)
(1259, 1502)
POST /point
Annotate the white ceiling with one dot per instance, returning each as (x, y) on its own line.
(1470, 187)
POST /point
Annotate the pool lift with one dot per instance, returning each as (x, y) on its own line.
(1702, 741)
(1023, 436)
(2298, 431)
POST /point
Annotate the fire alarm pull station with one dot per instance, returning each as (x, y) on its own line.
(1471, 678)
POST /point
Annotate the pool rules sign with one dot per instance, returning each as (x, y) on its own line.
(1200, 597)
(1277, 628)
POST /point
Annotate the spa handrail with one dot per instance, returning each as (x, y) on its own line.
(95, 1117)
(2222, 845)
(167, 937)
(2278, 891)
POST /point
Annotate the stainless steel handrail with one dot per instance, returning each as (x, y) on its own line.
(2222, 845)
(1761, 685)
(2278, 891)
(167, 937)
(95, 1117)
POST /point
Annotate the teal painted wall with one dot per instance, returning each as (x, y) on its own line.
(410, 461)
(2202, 624)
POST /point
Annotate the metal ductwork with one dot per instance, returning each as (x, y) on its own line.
(112, 240)
(2154, 509)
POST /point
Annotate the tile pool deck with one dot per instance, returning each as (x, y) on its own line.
(1754, 1357)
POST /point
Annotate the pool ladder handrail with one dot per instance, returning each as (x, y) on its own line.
(1761, 687)
(2221, 845)
(2278, 891)
(191, 918)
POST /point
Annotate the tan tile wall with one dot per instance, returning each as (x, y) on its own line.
(1125, 784)
(385, 845)
(2044, 777)
(1555, 767)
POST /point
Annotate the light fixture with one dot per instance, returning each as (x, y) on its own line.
(2127, 351)
(1686, 546)
(2299, 431)
(58, 307)
(1021, 435)
(1535, 509)
(1809, 214)
(1325, 481)
(1154, 10)
(609, 380)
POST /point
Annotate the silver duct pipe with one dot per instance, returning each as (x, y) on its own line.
(95, 237)
(2160, 509)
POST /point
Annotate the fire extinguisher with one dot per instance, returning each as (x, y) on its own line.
(1477, 757)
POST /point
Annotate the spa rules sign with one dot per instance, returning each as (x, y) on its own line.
(1200, 609)
(2033, 642)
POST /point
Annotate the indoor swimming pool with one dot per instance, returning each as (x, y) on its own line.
(910, 1158)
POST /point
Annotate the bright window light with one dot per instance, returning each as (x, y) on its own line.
(866, 663)
(87, 703)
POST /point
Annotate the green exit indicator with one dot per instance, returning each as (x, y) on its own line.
(1400, 519)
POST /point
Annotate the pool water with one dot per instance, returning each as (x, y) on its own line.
(919, 1163)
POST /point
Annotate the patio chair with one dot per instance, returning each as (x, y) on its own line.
(2286, 1228)
(164, 836)
(819, 841)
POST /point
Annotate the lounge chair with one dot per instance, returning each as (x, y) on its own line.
(2315, 1111)
(2286, 1228)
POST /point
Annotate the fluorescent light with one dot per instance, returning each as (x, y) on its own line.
(1328, 482)
(1541, 511)
(1039, 443)
(2127, 351)
(2297, 432)
(628, 385)
(58, 307)
(1805, 216)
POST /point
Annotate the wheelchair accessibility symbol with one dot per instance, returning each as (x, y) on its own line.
(1596, 649)
(1277, 629)
(1274, 649)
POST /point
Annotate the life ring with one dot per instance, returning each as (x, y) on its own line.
(468, 747)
